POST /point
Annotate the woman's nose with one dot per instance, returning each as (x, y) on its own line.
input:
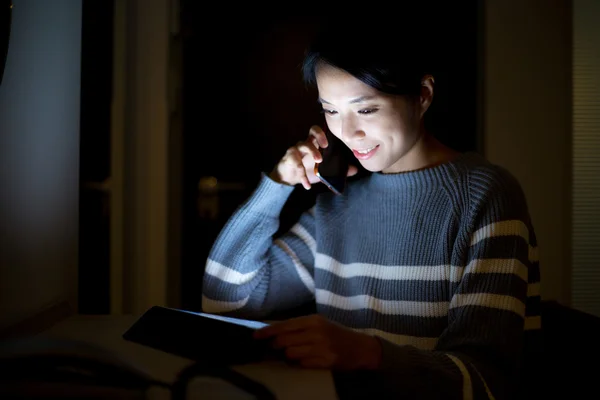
(350, 133)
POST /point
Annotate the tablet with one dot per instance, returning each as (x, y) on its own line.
(200, 337)
(242, 322)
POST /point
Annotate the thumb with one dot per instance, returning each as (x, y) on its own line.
(352, 170)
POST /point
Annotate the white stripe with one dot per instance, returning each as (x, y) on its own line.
(306, 238)
(503, 228)
(388, 272)
(532, 323)
(467, 384)
(227, 274)
(215, 306)
(497, 301)
(423, 343)
(533, 289)
(506, 228)
(390, 307)
(424, 272)
(498, 266)
(303, 273)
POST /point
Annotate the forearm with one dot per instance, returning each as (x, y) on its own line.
(246, 266)
(477, 354)
(435, 374)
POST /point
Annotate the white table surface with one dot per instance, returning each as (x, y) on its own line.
(286, 382)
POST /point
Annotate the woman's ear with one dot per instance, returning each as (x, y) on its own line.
(427, 84)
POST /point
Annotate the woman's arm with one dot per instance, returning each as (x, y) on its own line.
(250, 273)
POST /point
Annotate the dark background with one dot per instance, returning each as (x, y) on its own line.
(244, 104)
(94, 155)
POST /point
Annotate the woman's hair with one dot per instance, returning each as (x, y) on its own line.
(390, 57)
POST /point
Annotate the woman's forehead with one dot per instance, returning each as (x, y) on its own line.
(336, 83)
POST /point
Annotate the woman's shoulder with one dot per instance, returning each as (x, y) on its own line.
(478, 174)
(491, 186)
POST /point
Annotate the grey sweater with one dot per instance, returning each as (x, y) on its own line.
(440, 265)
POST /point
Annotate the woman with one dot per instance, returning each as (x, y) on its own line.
(425, 270)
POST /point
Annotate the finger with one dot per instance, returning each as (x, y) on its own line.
(352, 170)
(295, 159)
(316, 363)
(305, 182)
(290, 325)
(315, 142)
(297, 338)
(311, 173)
(300, 352)
(310, 148)
(318, 133)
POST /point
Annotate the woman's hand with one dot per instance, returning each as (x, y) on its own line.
(298, 164)
(316, 342)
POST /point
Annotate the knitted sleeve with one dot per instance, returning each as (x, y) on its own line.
(250, 273)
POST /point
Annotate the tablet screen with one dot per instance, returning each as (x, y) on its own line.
(200, 336)
(243, 322)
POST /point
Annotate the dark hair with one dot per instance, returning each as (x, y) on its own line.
(392, 58)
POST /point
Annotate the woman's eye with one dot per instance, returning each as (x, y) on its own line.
(330, 112)
(368, 111)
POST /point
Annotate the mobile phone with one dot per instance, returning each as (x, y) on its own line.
(333, 170)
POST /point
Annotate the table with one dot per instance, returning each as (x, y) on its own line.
(286, 382)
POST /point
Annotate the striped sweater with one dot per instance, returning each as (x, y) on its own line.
(440, 265)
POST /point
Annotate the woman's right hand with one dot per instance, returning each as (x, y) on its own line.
(298, 164)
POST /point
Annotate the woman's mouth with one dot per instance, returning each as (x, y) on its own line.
(365, 154)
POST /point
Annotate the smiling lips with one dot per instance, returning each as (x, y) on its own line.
(366, 153)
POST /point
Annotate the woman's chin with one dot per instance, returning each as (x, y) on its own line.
(371, 166)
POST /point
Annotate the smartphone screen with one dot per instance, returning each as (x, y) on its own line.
(333, 169)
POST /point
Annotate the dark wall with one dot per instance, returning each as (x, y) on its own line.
(39, 158)
(245, 104)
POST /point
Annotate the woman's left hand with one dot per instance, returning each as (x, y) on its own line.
(315, 342)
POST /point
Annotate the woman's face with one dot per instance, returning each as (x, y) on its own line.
(379, 128)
